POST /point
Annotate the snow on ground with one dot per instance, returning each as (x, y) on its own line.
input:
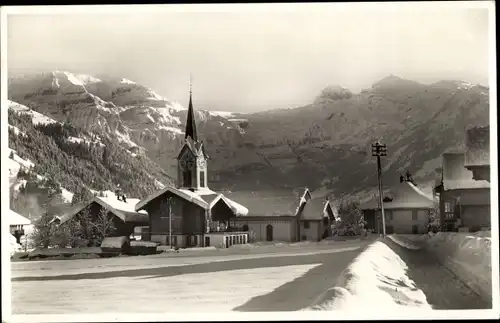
(127, 81)
(125, 138)
(17, 131)
(172, 129)
(66, 195)
(50, 268)
(467, 255)
(403, 243)
(167, 116)
(219, 291)
(376, 279)
(159, 185)
(37, 118)
(223, 114)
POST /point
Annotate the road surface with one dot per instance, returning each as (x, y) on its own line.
(444, 291)
(268, 278)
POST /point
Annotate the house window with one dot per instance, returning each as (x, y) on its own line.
(449, 207)
(388, 215)
(202, 179)
(306, 224)
(414, 215)
(303, 238)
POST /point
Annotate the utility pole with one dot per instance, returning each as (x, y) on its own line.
(379, 150)
(169, 199)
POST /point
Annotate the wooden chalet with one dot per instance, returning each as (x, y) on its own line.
(463, 201)
(406, 209)
(125, 219)
(477, 154)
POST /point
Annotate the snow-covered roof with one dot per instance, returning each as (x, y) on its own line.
(203, 197)
(17, 219)
(316, 209)
(405, 196)
(124, 210)
(465, 184)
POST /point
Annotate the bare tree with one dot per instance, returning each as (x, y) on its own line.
(103, 226)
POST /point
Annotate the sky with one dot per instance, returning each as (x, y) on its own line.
(253, 60)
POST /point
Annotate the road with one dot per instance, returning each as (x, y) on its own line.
(267, 278)
(442, 288)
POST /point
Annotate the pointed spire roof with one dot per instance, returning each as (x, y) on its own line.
(190, 123)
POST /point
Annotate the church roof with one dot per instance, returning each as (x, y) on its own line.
(190, 123)
(316, 209)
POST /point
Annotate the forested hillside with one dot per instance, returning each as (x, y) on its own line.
(63, 155)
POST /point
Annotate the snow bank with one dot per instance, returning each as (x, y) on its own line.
(377, 279)
(467, 255)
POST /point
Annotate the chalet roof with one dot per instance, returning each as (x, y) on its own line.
(123, 210)
(478, 146)
(17, 219)
(204, 198)
(267, 203)
(316, 209)
(456, 176)
(405, 196)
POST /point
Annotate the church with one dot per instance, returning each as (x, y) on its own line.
(191, 213)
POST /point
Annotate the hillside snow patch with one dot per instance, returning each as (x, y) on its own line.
(377, 279)
(37, 118)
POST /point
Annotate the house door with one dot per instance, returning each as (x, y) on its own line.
(269, 232)
(414, 229)
(207, 241)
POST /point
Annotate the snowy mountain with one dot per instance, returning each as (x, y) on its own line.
(324, 145)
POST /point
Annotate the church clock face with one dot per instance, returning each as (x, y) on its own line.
(202, 163)
(186, 162)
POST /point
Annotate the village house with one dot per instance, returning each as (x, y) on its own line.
(406, 208)
(287, 218)
(463, 201)
(477, 153)
(120, 211)
(19, 225)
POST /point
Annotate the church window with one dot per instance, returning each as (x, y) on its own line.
(202, 179)
(187, 178)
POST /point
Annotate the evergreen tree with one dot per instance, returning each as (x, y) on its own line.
(42, 233)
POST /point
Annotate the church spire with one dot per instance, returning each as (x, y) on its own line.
(190, 123)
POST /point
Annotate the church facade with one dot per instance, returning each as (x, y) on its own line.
(191, 213)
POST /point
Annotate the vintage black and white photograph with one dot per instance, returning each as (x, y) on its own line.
(325, 160)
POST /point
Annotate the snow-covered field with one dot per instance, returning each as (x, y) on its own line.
(376, 279)
(50, 268)
(467, 255)
(211, 292)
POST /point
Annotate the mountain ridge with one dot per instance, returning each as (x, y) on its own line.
(324, 145)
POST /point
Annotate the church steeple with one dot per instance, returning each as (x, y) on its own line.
(190, 123)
